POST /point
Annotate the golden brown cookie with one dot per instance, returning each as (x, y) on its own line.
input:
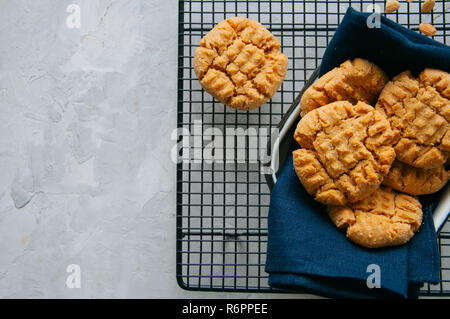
(386, 218)
(346, 152)
(239, 62)
(353, 81)
(415, 180)
(419, 111)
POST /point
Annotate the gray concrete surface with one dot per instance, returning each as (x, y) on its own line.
(86, 177)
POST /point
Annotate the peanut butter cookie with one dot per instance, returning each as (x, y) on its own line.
(414, 180)
(419, 111)
(346, 152)
(239, 62)
(386, 218)
(353, 81)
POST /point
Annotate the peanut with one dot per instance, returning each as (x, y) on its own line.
(428, 5)
(427, 29)
(392, 6)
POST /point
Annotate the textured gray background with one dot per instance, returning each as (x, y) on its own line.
(86, 177)
(85, 172)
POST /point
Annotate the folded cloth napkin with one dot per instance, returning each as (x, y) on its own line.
(392, 47)
(305, 251)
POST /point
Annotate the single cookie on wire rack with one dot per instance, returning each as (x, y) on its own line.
(386, 218)
(346, 152)
(419, 111)
(353, 81)
(239, 62)
(415, 180)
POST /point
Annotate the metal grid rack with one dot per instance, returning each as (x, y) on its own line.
(222, 206)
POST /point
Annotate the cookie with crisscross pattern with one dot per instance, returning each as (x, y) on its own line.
(418, 109)
(415, 180)
(346, 152)
(353, 81)
(240, 63)
(385, 218)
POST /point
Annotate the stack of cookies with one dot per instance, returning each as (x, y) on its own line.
(368, 146)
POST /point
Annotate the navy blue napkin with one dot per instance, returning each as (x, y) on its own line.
(305, 251)
(392, 47)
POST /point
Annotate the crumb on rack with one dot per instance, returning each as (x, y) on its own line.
(392, 6)
(427, 6)
(427, 29)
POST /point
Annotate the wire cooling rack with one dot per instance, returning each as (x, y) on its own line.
(222, 206)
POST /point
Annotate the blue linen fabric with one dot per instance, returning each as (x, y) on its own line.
(306, 252)
(392, 47)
